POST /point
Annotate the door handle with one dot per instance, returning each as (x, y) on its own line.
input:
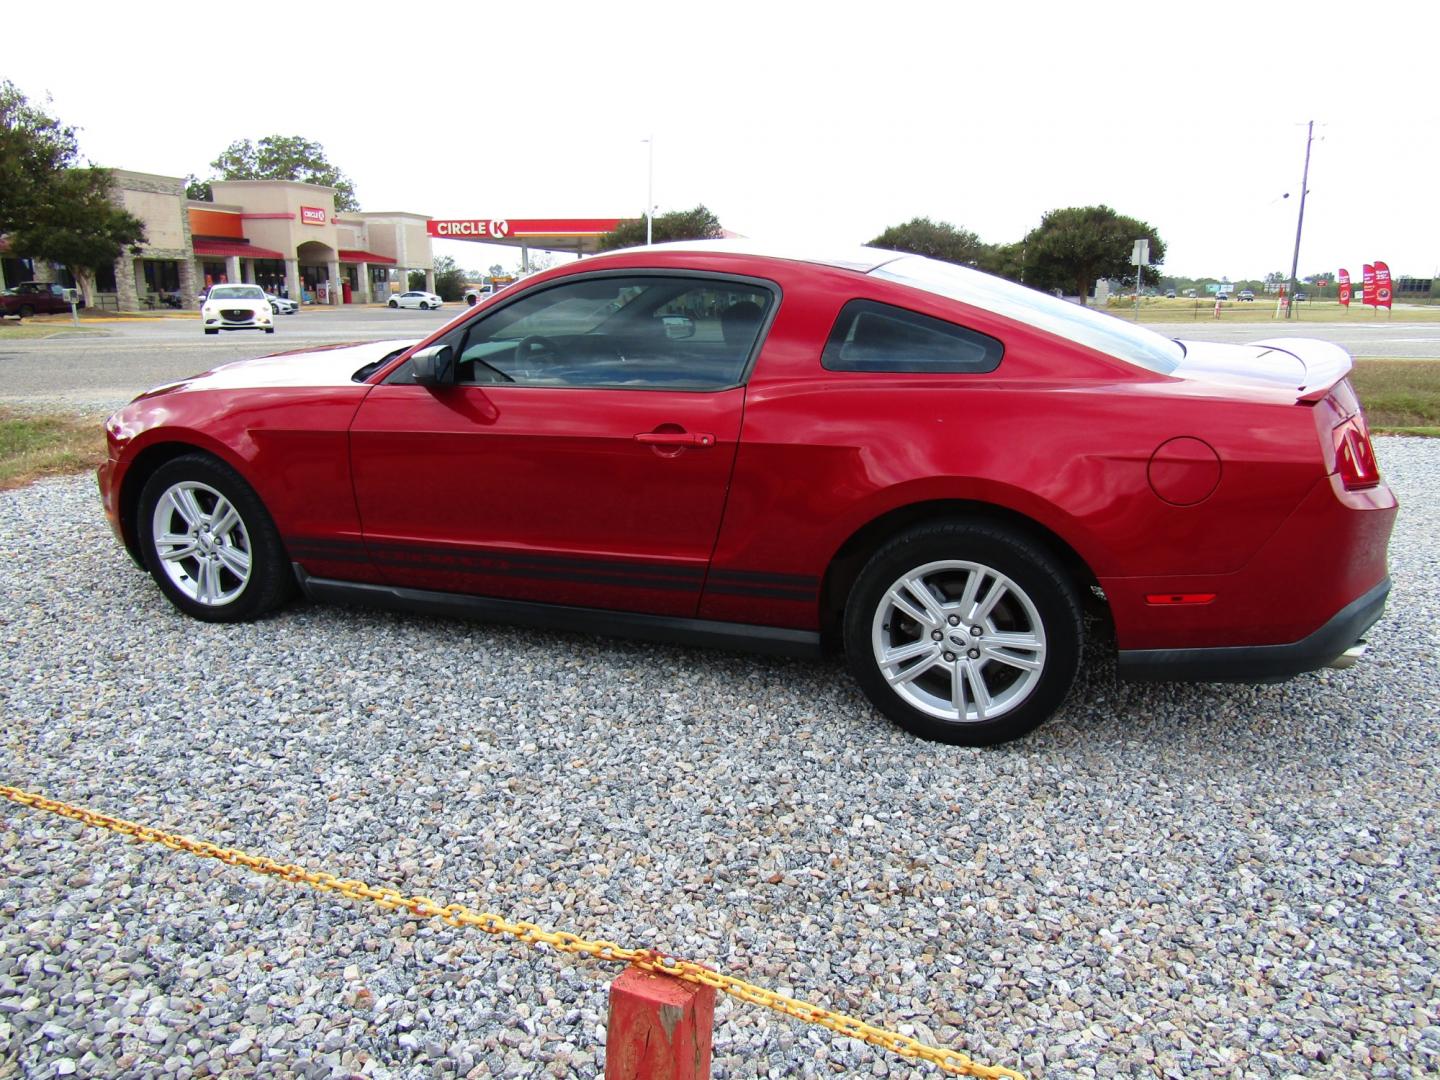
(676, 438)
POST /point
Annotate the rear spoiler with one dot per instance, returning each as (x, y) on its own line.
(1325, 363)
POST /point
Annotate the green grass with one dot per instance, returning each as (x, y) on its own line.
(1423, 432)
(36, 445)
(1401, 397)
(13, 331)
(1159, 309)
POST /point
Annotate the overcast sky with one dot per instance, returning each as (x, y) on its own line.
(802, 122)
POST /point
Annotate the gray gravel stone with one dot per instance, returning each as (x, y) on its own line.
(1163, 881)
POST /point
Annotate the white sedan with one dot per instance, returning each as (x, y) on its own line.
(236, 307)
(415, 299)
(281, 305)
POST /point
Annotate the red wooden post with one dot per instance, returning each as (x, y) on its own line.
(660, 1028)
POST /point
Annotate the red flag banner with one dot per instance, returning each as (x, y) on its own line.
(1382, 285)
(1367, 285)
(1343, 278)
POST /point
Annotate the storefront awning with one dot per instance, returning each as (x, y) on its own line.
(365, 257)
(226, 248)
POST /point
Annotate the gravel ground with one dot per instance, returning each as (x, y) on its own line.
(1163, 881)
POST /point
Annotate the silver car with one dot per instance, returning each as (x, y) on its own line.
(417, 299)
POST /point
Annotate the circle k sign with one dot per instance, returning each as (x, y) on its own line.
(472, 228)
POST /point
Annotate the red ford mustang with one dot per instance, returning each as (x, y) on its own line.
(716, 444)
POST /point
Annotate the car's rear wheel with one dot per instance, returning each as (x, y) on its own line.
(209, 542)
(964, 632)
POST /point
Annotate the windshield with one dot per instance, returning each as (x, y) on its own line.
(236, 292)
(1104, 333)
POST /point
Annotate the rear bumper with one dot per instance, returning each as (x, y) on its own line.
(1261, 663)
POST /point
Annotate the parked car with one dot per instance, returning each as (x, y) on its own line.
(236, 307)
(714, 444)
(38, 298)
(281, 305)
(416, 299)
(1247, 294)
(1300, 298)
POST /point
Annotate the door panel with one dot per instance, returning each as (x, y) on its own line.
(545, 493)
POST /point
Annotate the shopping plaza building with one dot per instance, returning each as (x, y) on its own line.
(282, 235)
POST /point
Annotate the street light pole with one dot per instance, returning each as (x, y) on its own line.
(1300, 223)
(650, 192)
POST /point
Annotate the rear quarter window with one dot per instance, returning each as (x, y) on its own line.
(871, 336)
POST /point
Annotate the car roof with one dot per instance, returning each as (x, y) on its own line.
(861, 258)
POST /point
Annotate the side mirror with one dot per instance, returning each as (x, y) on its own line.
(679, 327)
(434, 367)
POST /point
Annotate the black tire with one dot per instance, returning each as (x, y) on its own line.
(25, 311)
(269, 329)
(212, 331)
(1037, 603)
(270, 579)
(394, 303)
(424, 306)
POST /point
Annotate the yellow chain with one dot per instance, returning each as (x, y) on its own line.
(950, 1061)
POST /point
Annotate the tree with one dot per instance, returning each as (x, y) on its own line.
(934, 239)
(278, 157)
(1074, 246)
(79, 225)
(50, 208)
(35, 148)
(449, 279)
(696, 224)
(1004, 260)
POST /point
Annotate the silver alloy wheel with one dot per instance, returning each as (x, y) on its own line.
(959, 641)
(202, 543)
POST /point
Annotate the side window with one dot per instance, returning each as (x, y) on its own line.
(870, 336)
(640, 332)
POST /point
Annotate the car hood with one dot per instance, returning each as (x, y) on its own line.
(237, 302)
(327, 365)
(1303, 365)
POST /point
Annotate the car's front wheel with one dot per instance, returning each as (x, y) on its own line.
(394, 303)
(209, 542)
(964, 632)
(424, 306)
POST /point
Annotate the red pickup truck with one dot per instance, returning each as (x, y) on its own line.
(36, 298)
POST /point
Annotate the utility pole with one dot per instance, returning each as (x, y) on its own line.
(1300, 224)
(650, 192)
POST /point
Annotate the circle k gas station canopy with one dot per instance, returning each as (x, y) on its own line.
(580, 235)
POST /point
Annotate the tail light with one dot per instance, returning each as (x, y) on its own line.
(1354, 455)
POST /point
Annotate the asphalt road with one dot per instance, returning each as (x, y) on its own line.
(97, 372)
(1360, 337)
(102, 369)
